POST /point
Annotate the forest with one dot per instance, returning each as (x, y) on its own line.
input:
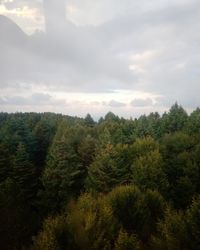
(121, 184)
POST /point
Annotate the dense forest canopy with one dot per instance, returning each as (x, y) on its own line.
(73, 183)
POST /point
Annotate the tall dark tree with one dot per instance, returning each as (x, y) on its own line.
(5, 162)
(175, 120)
(24, 173)
(89, 121)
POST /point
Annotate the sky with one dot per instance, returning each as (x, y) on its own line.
(75, 57)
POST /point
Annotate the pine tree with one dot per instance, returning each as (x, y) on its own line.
(5, 162)
(89, 121)
(111, 167)
(24, 172)
(63, 174)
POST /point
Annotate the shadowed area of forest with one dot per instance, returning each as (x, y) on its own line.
(73, 183)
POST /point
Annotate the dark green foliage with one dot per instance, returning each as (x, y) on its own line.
(86, 150)
(17, 221)
(62, 174)
(172, 232)
(126, 242)
(137, 212)
(44, 132)
(89, 121)
(67, 164)
(54, 235)
(193, 124)
(88, 224)
(175, 120)
(5, 162)
(115, 184)
(180, 167)
(147, 168)
(179, 230)
(128, 207)
(193, 225)
(24, 173)
(111, 167)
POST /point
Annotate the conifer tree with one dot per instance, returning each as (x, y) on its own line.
(5, 162)
(24, 172)
(62, 177)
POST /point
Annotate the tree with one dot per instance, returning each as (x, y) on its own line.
(193, 124)
(127, 203)
(5, 163)
(147, 168)
(175, 120)
(111, 167)
(180, 168)
(87, 224)
(138, 212)
(89, 121)
(193, 224)
(24, 173)
(18, 221)
(54, 235)
(127, 242)
(86, 150)
(171, 232)
(43, 132)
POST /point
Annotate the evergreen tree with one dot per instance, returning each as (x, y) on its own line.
(111, 167)
(147, 168)
(127, 242)
(5, 162)
(180, 168)
(24, 173)
(175, 120)
(89, 121)
(63, 174)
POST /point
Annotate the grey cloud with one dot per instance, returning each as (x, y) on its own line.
(142, 102)
(72, 58)
(96, 59)
(116, 104)
(36, 99)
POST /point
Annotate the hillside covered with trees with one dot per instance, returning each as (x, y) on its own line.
(73, 183)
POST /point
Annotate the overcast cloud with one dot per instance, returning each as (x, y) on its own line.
(80, 56)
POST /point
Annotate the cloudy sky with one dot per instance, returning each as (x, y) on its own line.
(78, 56)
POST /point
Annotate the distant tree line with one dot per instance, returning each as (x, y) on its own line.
(122, 184)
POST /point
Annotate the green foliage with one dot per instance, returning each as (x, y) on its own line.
(86, 150)
(18, 222)
(193, 224)
(126, 242)
(180, 167)
(5, 162)
(193, 124)
(54, 235)
(91, 223)
(61, 173)
(175, 120)
(136, 211)
(128, 207)
(101, 222)
(172, 232)
(147, 168)
(89, 121)
(24, 173)
(149, 126)
(43, 132)
(49, 161)
(111, 167)
(179, 230)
